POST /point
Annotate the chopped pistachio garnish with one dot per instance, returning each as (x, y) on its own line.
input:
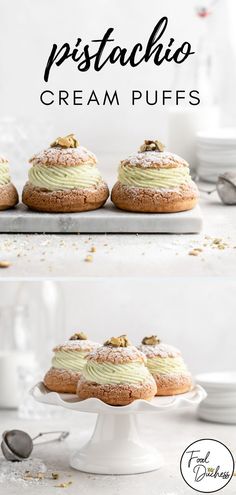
(69, 141)
(79, 336)
(149, 145)
(152, 340)
(121, 341)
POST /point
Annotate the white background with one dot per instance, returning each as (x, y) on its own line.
(29, 28)
(196, 315)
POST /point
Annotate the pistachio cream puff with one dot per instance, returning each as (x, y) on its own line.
(166, 366)
(116, 374)
(67, 364)
(64, 178)
(154, 181)
(8, 192)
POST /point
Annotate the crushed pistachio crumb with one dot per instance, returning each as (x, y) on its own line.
(64, 485)
(194, 252)
(88, 258)
(33, 476)
(55, 476)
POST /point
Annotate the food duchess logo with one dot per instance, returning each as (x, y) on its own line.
(102, 52)
(207, 465)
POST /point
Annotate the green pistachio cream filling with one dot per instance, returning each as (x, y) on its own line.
(114, 374)
(69, 360)
(168, 365)
(163, 178)
(4, 174)
(63, 178)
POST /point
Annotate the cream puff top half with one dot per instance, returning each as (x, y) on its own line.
(72, 355)
(4, 172)
(163, 359)
(64, 168)
(116, 365)
(159, 170)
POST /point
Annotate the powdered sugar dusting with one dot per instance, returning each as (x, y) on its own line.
(66, 157)
(161, 350)
(154, 159)
(116, 354)
(77, 345)
(26, 471)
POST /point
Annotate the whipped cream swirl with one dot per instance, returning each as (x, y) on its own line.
(63, 178)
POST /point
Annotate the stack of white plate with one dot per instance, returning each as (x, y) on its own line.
(216, 153)
(220, 403)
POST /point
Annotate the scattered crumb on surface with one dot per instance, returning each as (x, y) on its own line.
(40, 254)
(64, 485)
(88, 258)
(55, 476)
(194, 252)
(33, 476)
(212, 243)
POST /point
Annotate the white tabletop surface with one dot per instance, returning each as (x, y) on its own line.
(39, 255)
(171, 433)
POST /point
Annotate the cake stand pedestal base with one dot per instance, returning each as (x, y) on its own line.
(116, 448)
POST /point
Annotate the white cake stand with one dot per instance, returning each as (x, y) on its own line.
(116, 446)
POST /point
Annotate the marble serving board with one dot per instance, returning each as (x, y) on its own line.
(105, 220)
